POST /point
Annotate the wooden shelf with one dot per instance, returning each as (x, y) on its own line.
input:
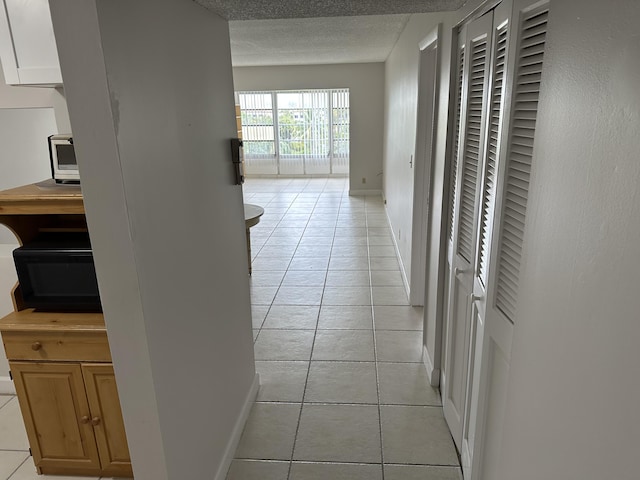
(44, 198)
(30, 320)
(40, 207)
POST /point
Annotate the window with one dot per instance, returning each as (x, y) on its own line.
(296, 132)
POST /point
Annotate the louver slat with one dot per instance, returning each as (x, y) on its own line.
(471, 158)
(454, 175)
(519, 158)
(489, 189)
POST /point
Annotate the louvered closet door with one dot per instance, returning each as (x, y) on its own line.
(454, 160)
(489, 176)
(520, 34)
(472, 133)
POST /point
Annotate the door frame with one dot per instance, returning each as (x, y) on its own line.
(423, 162)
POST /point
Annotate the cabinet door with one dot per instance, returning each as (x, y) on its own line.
(106, 418)
(27, 44)
(57, 417)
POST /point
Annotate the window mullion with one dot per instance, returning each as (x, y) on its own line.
(276, 129)
(330, 116)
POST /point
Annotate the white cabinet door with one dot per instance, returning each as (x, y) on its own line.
(27, 44)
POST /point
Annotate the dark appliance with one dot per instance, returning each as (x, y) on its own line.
(56, 273)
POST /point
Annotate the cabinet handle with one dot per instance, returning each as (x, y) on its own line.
(36, 346)
(95, 421)
(84, 419)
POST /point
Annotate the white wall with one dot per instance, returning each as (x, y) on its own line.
(574, 392)
(365, 82)
(150, 93)
(401, 101)
(28, 115)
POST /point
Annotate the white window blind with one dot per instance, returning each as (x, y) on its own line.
(489, 187)
(256, 113)
(519, 158)
(471, 158)
(340, 121)
(296, 132)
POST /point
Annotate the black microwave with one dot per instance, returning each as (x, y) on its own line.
(56, 273)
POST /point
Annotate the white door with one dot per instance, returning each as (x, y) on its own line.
(489, 176)
(427, 104)
(519, 38)
(476, 46)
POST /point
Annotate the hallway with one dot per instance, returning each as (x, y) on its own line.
(338, 348)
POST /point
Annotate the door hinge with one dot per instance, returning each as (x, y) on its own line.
(10, 375)
(30, 454)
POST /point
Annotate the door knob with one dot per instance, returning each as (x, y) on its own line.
(36, 346)
(475, 298)
(84, 419)
(95, 421)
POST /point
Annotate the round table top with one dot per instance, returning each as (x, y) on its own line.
(252, 214)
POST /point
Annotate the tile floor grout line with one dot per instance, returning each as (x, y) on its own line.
(306, 381)
(18, 467)
(328, 404)
(375, 343)
(319, 462)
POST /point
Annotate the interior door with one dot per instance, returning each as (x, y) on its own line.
(462, 251)
(489, 179)
(520, 35)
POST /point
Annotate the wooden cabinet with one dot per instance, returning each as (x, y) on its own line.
(106, 418)
(73, 414)
(61, 362)
(57, 417)
(27, 44)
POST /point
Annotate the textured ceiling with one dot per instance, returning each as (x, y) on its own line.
(315, 40)
(263, 9)
(303, 32)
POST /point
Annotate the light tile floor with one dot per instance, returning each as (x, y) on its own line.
(344, 395)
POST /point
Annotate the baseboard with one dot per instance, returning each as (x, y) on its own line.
(6, 386)
(232, 445)
(432, 373)
(403, 272)
(364, 193)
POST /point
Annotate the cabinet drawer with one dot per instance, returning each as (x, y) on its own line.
(81, 346)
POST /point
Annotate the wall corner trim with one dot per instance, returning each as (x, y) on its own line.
(432, 373)
(6, 386)
(234, 440)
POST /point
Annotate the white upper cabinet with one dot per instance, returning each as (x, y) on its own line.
(27, 44)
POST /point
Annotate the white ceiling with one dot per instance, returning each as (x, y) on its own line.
(306, 41)
(263, 9)
(302, 32)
